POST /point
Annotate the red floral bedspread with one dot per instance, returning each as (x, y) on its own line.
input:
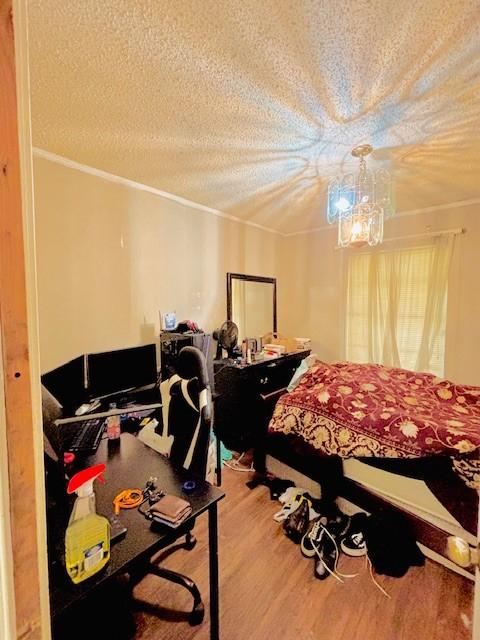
(362, 410)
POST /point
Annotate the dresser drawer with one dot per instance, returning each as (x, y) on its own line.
(245, 397)
(273, 375)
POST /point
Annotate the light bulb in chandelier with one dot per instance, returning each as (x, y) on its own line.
(359, 203)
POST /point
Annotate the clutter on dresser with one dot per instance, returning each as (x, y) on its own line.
(284, 344)
(303, 343)
(273, 350)
(267, 347)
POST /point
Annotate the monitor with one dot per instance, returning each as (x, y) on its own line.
(112, 372)
(67, 384)
(51, 411)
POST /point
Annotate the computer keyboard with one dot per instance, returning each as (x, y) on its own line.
(82, 437)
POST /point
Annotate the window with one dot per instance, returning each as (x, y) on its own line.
(396, 307)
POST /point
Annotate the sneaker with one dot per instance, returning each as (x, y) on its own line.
(326, 558)
(312, 539)
(353, 543)
(339, 526)
(327, 550)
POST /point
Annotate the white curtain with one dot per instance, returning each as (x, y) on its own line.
(396, 305)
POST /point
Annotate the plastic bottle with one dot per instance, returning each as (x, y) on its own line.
(244, 351)
(113, 424)
(87, 539)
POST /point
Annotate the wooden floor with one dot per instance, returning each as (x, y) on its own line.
(268, 591)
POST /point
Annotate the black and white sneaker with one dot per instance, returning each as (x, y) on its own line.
(339, 526)
(326, 557)
(312, 539)
(354, 545)
(327, 551)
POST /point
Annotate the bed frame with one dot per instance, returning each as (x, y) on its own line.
(460, 501)
(436, 471)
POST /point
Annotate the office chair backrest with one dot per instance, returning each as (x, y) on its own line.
(189, 412)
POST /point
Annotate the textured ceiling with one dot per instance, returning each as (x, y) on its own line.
(248, 106)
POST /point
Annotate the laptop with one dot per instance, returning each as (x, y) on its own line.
(80, 435)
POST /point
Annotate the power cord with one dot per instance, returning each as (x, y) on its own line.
(135, 498)
(235, 466)
(128, 499)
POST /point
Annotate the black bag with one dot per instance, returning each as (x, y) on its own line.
(296, 525)
(391, 545)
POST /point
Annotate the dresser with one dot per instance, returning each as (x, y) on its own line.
(245, 396)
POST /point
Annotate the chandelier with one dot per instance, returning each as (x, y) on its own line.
(360, 203)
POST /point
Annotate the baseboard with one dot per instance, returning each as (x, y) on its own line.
(427, 534)
(411, 494)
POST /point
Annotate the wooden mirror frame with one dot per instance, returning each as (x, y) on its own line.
(242, 276)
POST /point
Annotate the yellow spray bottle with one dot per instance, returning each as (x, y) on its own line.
(87, 539)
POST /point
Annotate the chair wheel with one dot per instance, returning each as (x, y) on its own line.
(197, 615)
(190, 542)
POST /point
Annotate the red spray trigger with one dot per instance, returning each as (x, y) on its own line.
(87, 475)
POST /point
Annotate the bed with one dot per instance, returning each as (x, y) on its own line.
(408, 423)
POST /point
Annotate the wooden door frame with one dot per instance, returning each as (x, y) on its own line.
(7, 601)
(21, 443)
(21, 398)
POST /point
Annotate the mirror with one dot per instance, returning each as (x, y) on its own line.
(252, 304)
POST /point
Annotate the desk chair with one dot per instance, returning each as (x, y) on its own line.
(189, 422)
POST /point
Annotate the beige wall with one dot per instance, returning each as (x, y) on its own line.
(111, 256)
(313, 278)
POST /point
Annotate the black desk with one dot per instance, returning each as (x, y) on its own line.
(130, 464)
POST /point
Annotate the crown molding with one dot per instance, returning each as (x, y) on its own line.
(398, 214)
(140, 186)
